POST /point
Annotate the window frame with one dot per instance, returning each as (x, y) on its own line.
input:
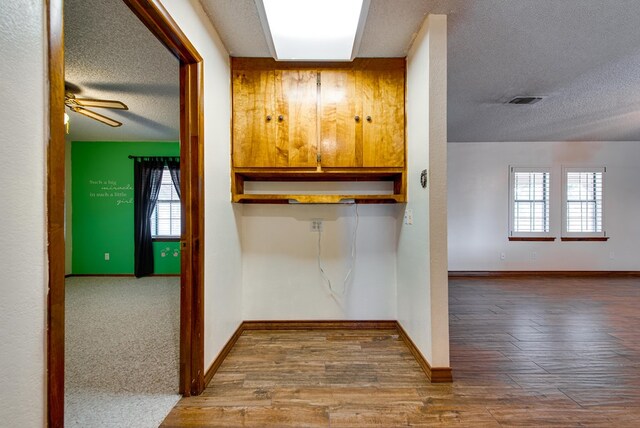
(178, 236)
(516, 236)
(566, 235)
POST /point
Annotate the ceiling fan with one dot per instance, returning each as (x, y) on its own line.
(79, 105)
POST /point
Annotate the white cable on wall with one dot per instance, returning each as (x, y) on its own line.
(335, 294)
(353, 250)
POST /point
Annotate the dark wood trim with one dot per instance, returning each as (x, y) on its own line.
(533, 238)
(435, 374)
(319, 325)
(55, 215)
(592, 238)
(192, 163)
(213, 368)
(156, 18)
(549, 273)
(161, 24)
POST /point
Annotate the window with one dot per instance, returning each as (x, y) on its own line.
(165, 219)
(583, 203)
(529, 207)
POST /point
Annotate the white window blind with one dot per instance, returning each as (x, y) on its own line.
(165, 219)
(529, 205)
(583, 201)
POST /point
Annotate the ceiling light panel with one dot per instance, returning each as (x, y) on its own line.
(306, 30)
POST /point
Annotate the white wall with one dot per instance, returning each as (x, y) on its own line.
(223, 266)
(422, 258)
(23, 263)
(282, 279)
(479, 206)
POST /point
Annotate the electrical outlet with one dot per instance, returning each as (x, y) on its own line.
(316, 225)
(534, 255)
(408, 217)
(612, 255)
(503, 256)
(107, 256)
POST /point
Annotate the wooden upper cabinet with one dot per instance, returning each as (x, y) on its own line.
(350, 114)
(340, 133)
(254, 131)
(296, 111)
(313, 121)
(362, 116)
(383, 121)
(274, 118)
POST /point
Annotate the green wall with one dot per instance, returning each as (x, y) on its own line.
(102, 207)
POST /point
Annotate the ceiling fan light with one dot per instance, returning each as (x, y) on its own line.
(66, 123)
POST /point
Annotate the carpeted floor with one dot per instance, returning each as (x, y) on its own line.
(122, 350)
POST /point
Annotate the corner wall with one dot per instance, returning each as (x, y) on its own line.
(479, 207)
(23, 116)
(223, 258)
(422, 247)
(282, 279)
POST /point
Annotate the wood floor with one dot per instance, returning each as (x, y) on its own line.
(524, 351)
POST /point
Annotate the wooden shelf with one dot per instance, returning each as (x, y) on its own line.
(326, 174)
(394, 175)
(317, 199)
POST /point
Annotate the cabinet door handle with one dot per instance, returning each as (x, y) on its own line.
(268, 117)
(280, 118)
(357, 118)
(369, 119)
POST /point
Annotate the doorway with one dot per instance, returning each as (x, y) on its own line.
(153, 15)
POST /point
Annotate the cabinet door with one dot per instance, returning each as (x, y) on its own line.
(297, 108)
(254, 119)
(383, 111)
(340, 125)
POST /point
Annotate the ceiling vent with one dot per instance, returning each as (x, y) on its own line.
(524, 100)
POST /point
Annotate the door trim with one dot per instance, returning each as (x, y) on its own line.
(55, 215)
(159, 22)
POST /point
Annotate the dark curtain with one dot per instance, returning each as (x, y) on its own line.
(147, 180)
(174, 169)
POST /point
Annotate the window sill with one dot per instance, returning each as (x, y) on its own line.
(586, 238)
(532, 238)
(165, 239)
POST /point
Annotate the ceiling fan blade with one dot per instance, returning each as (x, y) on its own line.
(93, 115)
(86, 102)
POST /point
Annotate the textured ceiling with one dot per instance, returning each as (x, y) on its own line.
(110, 54)
(583, 56)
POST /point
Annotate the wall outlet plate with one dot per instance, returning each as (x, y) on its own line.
(316, 225)
(408, 217)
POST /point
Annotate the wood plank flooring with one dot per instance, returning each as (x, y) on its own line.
(525, 351)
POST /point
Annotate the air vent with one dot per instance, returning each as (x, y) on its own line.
(524, 100)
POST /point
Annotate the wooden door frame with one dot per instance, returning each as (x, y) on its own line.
(156, 18)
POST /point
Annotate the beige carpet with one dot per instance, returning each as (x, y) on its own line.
(122, 350)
